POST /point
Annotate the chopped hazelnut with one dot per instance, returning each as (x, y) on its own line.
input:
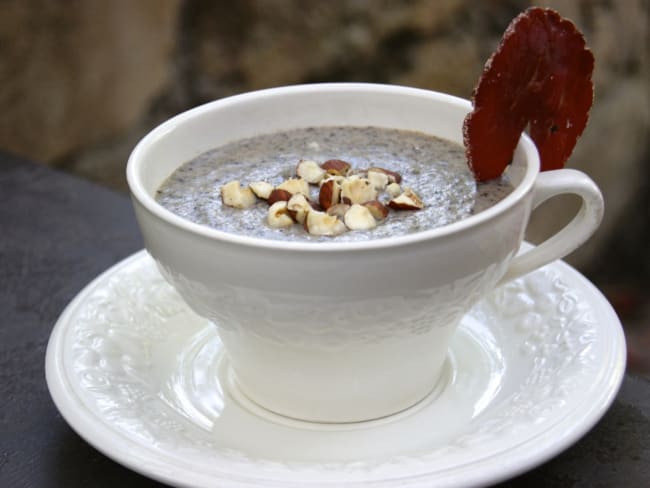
(278, 195)
(234, 195)
(310, 171)
(378, 210)
(278, 215)
(329, 194)
(336, 167)
(322, 224)
(359, 217)
(295, 185)
(262, 189)
(408, 200)
(357, 190)
(393, 177)
(378, 179)
(394, 190)
(339, 209)
(298, 207)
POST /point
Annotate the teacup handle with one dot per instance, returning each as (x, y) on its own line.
(576, 232)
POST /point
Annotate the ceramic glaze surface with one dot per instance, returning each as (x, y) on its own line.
(337, 331)
(144, 379)
(287, 319)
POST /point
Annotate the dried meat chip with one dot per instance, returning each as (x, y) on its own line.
(539, 77)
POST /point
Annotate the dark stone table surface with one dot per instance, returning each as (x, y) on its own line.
(57, 232)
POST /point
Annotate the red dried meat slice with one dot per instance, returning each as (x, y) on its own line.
(540, 76)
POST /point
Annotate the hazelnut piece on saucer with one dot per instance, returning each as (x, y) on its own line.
(234, 195)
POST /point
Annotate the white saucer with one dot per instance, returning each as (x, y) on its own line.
(144, 380)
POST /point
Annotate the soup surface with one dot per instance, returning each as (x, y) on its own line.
(434, 168)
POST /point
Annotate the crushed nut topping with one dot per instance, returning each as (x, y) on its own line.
(347, 199)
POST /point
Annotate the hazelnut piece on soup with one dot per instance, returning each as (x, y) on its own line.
(408, 200)
(357, 190)
(295, 185)
(234, 195)
(392, 176)
(310, 171)
(329, 194)
(262, 189)
(278, 195)
(378, 210)
(299, 207)
(336, 167)
(278, 215)
(359, 218)
(322, 224)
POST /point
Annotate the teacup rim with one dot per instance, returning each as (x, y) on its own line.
(140, 194)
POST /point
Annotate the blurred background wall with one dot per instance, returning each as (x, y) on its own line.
(82, 80)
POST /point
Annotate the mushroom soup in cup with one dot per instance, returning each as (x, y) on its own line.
(340, 329)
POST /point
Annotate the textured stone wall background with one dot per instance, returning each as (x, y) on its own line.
(82, 80)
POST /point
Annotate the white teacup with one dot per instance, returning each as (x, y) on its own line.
(342, 331)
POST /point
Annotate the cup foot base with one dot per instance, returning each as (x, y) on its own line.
(244, 400)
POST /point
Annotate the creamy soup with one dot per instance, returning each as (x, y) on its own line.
(436, 169)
